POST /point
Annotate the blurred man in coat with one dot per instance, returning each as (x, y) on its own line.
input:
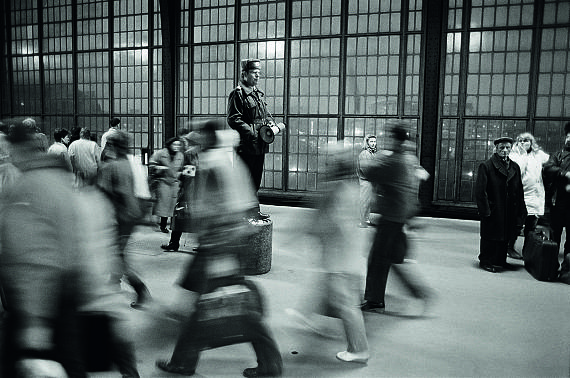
(500, 201)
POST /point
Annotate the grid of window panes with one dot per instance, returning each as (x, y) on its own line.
(212, 78)
(157, 26)
(452, 74)
(185, 22)
(57, 32)
(157, 133)
(25, 28)
(272, 57)
(446, 164)
(553, 93)
(455, 14)
(93, 92)
(131, 81)
(214, 21)
(92, 24)
(315, 17)
(315, 76)
(556, 12)
(273, 165)
(412, 77)
(131, 23)
(372, 16)
(550, 135)
(309, 139)
(415, 8)
(156, 81)
(498, 73)
(184, 80)
(372, 74)
(262, 20)
(478, 137)
(58, 84)
(138, 130)
(26, 92)
(501, 13)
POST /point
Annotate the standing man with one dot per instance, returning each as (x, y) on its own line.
(113, 126)
(366, 189)
(247, 112)
(557, 173)
(500, 202)
(394, 175)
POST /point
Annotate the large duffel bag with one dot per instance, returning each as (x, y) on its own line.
(540, 256)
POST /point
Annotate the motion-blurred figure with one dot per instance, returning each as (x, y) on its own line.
(396, 180)
(85, 158)
(117, 181)
(49, 273)
(530, 158)
(229, 308)
(366, 190)
(335, 226)
(165, 166)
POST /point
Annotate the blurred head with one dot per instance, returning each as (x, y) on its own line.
(397, 137)
(528, 142)
(117, 143)
(250, 71)
(340, 162)
(174, 145)
(23, 138)
(85, 133)
(61, 136)
(207, 133)
(567, 134)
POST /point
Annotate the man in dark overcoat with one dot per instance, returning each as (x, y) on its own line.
(500, 202)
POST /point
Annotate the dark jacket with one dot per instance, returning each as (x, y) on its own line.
(555, 180)
(500, 199)
(247, 112)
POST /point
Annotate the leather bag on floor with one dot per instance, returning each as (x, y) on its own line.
(540, 256)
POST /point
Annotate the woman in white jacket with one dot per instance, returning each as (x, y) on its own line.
(530, 158)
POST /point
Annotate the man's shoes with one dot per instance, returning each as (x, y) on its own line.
(170, 247)
(260, 216)
(168, 367)
(507, 266)
(253, 372)
(360, 358)
(513, 254)
(373, 306)
(164, 230)
(489, 267)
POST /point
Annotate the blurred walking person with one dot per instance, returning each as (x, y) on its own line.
(59, 147)
(366, 189)
(165, 166)
(85, 158)
(395, 177)
(335, 226)
(50, 274)
(224, 196)
(530, 158)
(117, 182)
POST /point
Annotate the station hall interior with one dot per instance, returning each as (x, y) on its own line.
(457, 73)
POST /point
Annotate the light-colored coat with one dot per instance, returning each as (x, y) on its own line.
(531, 171)
(165, 172)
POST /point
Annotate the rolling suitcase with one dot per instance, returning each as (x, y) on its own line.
(540, 256)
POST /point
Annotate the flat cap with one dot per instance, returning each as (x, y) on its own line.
(250, 64)
(503, 140)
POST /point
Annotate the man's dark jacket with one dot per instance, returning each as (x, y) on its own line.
(555, 179)
(500, 199)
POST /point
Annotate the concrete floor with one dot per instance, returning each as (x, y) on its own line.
(481, 325)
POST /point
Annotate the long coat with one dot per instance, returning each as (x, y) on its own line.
(164, 174)
(500, 199)
(531, 170)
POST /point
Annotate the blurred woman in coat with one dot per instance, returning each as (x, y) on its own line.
(164, 167)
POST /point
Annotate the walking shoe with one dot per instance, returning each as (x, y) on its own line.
(170, 247)
(253, 372)
(373, 306)
(361, 358)
(489, 267)
(168, 367)
(164, 229)
(513, 254)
